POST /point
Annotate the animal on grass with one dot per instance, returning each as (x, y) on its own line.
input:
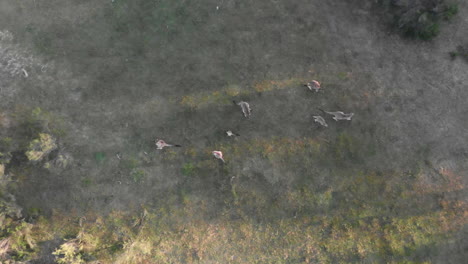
(232, 134)
(313, 86)
(218, 154)
(320, 120)
(160, 144)
(245, 107)
(339, 115)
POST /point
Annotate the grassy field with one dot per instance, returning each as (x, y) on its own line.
(87, 86)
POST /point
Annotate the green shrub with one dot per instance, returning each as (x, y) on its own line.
(450, 11)
(99, 157)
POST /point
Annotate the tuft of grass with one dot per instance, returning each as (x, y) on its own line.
(86, 182)
(99, 157)
(188, 169)
(450, 11)
(137, 175)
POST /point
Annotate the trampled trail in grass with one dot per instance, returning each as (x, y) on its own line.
(225, 95)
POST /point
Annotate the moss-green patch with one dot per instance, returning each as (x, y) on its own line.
(87, 182)
(100, 157)
(450, 11)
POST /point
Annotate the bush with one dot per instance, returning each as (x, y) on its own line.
(420, 18)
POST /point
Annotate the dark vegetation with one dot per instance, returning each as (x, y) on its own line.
(461, 51)
(419, 19)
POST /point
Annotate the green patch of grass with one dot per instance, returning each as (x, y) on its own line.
(188, 169)
(99, 157)
(450, 11)
(454, 54)
(137, 175)
(86, 182)
(116, 247)
(428, 32)
(343, 75)
(130, 163)
(34, 211)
